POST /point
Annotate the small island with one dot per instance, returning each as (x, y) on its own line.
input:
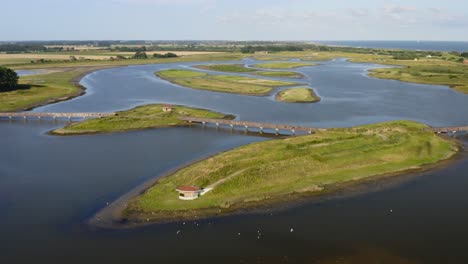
(280, 74)
(221, 83)
(297, 95)
(285, 169)
(240, 68)
(226, 68)
(283, 65)
(141, 117)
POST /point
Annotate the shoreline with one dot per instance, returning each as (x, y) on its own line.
(111, 216)
(75, 81)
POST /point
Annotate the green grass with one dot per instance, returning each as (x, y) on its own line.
(297, 95)
(455, 76)
(221, 83)
(275, 169)
(286, 74)
(226, 68)
(180, 74)
(283, 65)
(142, 117)
(40, 89)
(150, 60)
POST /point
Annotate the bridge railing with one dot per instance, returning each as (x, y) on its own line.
(248, 124)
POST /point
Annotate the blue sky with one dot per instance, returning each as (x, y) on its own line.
(234, 20)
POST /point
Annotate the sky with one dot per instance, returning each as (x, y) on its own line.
(233, 20)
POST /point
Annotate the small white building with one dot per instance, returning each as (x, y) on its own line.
(189, 192)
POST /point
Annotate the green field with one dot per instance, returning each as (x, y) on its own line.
(297, 95)
(304, 165)
(226, 68)
(42, 89)
(24, 63)
(221, 83)
(455, 76)
(142, 117)
(283, 65)
(280, 74)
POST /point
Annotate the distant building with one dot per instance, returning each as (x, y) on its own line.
(189, 192)
(260, 52)
(167, 108)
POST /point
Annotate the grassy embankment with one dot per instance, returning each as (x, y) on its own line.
(142, 117)
(226, 68)
(239, 68)
(286, 74)
(36, 90)
(283, 65)
(454, 76)
(282, 169)
(221, 83)
(435, 70)
(297, 95)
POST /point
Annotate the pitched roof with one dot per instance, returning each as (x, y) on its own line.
(184, 188)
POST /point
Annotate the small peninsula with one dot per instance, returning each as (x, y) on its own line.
(141, 117)
(297, 95)
(282, 169)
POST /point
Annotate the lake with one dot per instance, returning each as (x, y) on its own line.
(49, 185)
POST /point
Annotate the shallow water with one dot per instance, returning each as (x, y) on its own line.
(49, 185)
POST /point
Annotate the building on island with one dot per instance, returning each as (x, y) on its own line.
(261, 52)
(167, 108)
(189, 192)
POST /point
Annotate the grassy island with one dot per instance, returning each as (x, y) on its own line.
(239, 68)
(297, 95)
(221, 83)
(283, 65)
(142, 117)
(285, 74)
(281, 169)
(226, 68)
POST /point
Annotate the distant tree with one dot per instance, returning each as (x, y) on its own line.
(464, 54)
(8, 79)
(73, 58)
(140, 55)
(167, 55)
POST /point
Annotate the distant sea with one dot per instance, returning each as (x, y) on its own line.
(460, 46)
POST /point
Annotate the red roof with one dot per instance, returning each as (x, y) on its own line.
(167, 106)
(184, 188)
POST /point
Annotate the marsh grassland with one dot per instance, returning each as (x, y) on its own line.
(221, 83)
(276, 169)
(297, 95)
(142, 117)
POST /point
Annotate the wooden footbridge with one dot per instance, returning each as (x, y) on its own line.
(247, 125)
(37, 115)
(454, 129)
(218, 122)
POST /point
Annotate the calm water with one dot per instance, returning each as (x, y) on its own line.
(49, 185)
(459, 46)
